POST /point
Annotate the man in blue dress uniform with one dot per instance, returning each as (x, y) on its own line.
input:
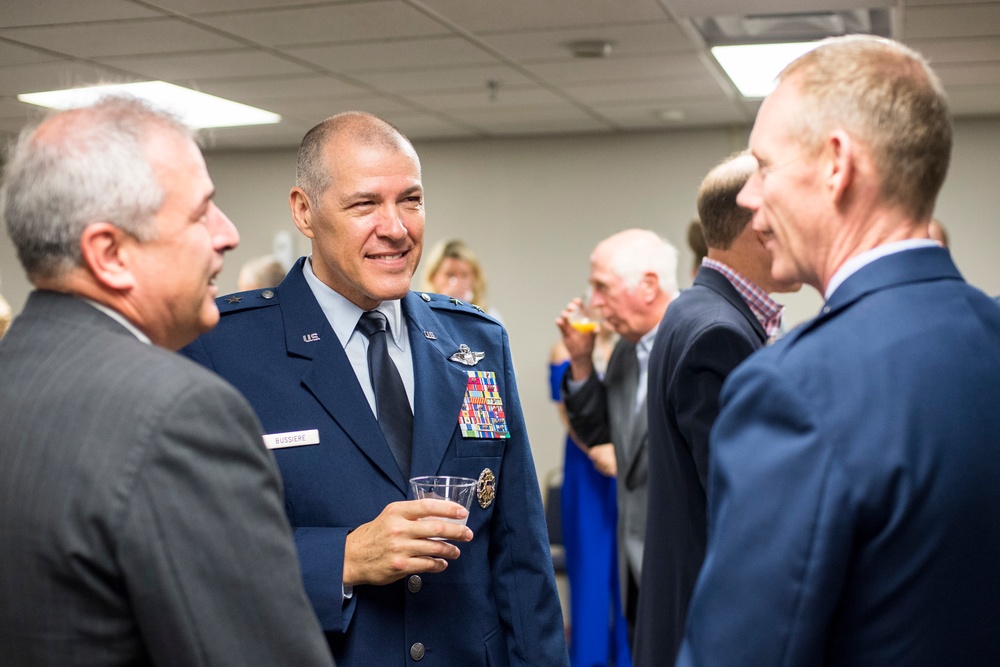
(854, 511)
(384, 592)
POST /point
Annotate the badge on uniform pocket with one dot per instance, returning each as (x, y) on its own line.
(482, 413)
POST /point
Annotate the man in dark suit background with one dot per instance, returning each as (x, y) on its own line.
(384, 592)
(854, 512)
(140, 514)
(707, 331)
(633, 277)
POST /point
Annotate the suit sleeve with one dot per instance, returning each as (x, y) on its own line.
(521, 563)
(587, 410)
(779, 529)
(205, 543)
(701, 371)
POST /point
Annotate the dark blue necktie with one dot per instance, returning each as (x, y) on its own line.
(394, 414)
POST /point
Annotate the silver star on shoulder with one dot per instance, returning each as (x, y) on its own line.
(234, 299)
(466, 356)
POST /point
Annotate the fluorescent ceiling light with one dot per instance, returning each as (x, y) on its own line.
(754, 67)
(197, 110)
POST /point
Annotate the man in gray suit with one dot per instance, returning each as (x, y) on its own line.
(633, 277)
(140, 514)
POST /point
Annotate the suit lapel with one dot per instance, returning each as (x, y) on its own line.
(622, 403)
(439, 386)
(330, 377)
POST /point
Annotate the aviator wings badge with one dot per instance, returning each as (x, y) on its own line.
(466, 356)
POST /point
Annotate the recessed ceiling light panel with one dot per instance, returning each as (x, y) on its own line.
(198, 110)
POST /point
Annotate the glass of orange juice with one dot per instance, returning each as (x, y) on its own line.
(586, 318)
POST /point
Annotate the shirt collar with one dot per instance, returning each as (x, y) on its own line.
(343, 315)
(856, 263)
(767, 311)
(119, 318)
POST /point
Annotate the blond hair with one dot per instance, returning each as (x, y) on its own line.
(886, 95)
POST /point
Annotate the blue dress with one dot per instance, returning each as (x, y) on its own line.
(589, 520)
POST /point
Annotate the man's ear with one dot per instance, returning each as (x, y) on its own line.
(302, 209)
(650, 286)
(108, 253)
(839, 164)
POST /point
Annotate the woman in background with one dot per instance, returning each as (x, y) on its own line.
(452, 268)
(598, 635)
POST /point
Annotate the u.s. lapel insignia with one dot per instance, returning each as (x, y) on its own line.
(486, 490)
(482, 414)
(466, 356)
(430, 335)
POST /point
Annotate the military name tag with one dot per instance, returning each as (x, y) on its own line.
(291, 439)
(482, 413)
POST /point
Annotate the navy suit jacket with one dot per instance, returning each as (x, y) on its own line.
(854, 503)
(495, 604)
(706, 332)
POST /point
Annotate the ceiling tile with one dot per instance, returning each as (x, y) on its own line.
(506, 98)
(196, 7)
(393, 54)
(697, 8)
(965, 74)
(206, 65)
(327, 24)
(146, 36)
(649, 89)
(314, 110)
(39, 77)
(14, 54)
(490, 16)
(975, 20)
(616, 69)
(966, 50)
(446, 79)
(694, 114)
(260, 89)
(635, 39)
(45, 12)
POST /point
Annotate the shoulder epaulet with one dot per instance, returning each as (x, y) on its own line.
(255, 298)
(442, 302)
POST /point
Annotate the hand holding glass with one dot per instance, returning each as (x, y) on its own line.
(456, 489)
(585, 318)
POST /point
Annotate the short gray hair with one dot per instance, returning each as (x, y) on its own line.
(642, 251)
(76, 168)
(313, 174)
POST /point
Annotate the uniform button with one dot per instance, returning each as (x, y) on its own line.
(267, 294)
(414, 583)
(417, 651)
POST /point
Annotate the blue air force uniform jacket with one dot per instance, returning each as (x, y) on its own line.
(497, 603)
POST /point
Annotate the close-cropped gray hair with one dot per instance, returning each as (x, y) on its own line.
(76, 168)
(314, 173)
(642, 251)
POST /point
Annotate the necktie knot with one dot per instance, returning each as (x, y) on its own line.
(372, 322)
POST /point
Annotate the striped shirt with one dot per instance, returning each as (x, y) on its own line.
(765, 309)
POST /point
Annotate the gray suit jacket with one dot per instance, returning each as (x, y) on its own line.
(140, 515)
(603, 411)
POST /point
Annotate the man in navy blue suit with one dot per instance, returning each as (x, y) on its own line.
(854, 510)
(388, 590)
(707, 331)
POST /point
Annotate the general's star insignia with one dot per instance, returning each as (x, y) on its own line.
(466, 356)
(234, 299)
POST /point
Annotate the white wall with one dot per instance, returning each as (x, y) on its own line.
(534, 208)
